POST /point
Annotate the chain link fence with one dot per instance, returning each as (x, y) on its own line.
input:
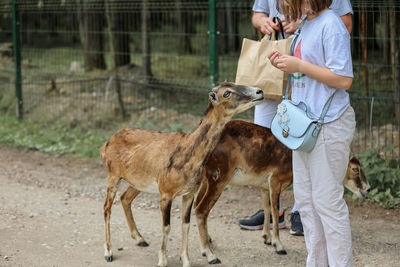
(89, 63)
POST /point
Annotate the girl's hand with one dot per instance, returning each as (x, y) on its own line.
(290, 27)
(273, 58)
(289, 64)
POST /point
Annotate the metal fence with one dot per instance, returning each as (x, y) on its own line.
(90, 62)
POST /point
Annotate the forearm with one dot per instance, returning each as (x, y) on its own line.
(325, 75)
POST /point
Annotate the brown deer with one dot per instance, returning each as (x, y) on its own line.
(170, 164)
(249, 155)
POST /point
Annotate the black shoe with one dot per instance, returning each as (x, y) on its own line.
(256, 221)
(296, 227)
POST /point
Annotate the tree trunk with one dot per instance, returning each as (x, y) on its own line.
(232, 23)
(228, 25)
(222, 27)
(91, 22)
(146, 49)
(385, 34)
(118, 34)
(115, 53)
(27, 22)
(185, 25)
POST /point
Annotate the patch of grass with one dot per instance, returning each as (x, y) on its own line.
(7, 102)
(79, 141)
(56, 138)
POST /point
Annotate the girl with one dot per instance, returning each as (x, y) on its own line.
(322, 64)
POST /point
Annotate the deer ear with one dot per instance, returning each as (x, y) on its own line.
(351, 155)
(213, 98)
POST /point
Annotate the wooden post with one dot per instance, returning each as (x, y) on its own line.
(364, 67)
(393, 61)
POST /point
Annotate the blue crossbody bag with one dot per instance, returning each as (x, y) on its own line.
(292, 124)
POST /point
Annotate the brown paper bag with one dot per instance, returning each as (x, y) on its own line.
(255, 69)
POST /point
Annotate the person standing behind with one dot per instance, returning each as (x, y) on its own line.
(263, 13)
(322, 66)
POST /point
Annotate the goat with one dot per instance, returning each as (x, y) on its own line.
(249, 155)
(170, 164)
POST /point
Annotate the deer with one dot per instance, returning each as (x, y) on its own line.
(168, 164)
(250, 155)
(355, 179)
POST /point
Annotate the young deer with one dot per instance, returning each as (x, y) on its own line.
(249, 155)
(170, 164)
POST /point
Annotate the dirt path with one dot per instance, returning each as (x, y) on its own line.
(51, 215)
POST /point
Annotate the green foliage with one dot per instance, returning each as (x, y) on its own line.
(7, 102)
(145, 123)
(58, 138)
(175, 127)
(383, 177)
(54, 138)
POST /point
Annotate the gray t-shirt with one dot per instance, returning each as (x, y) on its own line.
(325, 42)
(341, 7)
(268, 7)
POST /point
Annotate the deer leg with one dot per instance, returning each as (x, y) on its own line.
(165, 206)
(187, 202)
(205, 203)
(275, 190)
(126, 200)
(111, 191)
(266, 234)
(200, 195)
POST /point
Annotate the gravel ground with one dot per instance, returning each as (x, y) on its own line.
(51, 214)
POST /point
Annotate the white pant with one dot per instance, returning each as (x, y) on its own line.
(265, 112)
(318, 190)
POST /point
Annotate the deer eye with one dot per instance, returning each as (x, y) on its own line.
(355, 170)
(227, 94)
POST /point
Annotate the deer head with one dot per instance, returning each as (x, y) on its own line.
(355, 179)
(233, 99)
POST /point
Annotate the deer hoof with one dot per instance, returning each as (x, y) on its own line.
(109, 258)
(143, 244)
(267, 242)
(215, 261)
(281, 252)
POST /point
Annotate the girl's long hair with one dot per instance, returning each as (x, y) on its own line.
(292, 8)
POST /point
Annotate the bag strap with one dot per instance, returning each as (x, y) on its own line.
(326, 107)
(292, 45)
(296, 35)
(280, 26)
(274, 19)
(323, 113)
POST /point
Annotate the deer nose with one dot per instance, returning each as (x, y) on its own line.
(259, 92)
(368, 190)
